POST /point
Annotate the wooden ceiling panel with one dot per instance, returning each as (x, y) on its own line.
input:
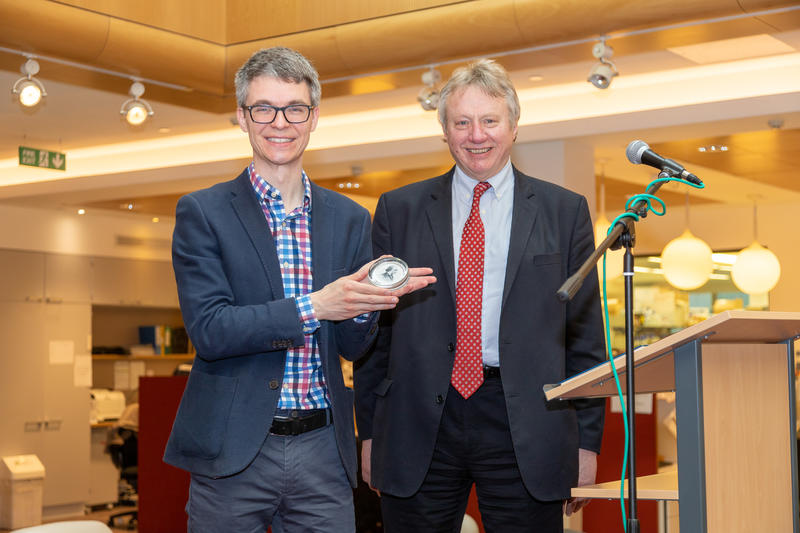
(769, 156)
(249, 20)
(203, 19)
(177, 42)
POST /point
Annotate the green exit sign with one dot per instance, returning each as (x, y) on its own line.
(36, 157)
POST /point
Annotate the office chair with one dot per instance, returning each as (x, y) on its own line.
(122, 445)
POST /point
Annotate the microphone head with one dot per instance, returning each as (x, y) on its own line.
(635, 150)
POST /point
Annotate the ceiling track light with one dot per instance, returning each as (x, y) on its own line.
(428, 97)
(136, 110)
(28, 89)
(604, 71)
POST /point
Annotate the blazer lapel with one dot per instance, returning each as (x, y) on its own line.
(522, 220)
(440, 217)
(245, 203)
(322, 236)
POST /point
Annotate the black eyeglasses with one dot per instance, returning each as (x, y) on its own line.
(265, 114)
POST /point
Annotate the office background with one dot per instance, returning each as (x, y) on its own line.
(691, 75)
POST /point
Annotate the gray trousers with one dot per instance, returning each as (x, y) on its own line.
(296, 483)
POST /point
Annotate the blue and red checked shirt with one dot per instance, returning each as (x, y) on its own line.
(303, 382)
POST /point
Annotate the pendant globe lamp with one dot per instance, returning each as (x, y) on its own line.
(757, 270)
(686, 260)
(614, 264)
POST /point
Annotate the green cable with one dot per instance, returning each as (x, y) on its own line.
(648, 199)
(619, 392)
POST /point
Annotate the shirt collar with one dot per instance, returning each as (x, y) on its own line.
(502, 183)
(269, 194)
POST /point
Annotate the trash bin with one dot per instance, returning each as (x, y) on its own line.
(21, 488)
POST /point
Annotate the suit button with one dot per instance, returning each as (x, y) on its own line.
(439, 398)
(451, 347)
(273, 384)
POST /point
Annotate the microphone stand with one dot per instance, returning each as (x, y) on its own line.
(622, 234)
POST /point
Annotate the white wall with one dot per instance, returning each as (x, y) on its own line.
(722, 227)
(66, 232)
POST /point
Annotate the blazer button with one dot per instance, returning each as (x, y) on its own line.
(273, 384)
(439, 398)
(451, 347)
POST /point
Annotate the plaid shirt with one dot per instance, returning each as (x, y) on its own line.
(303, 383)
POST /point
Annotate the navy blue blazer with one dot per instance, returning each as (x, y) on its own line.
(402, 387)
(232, 300)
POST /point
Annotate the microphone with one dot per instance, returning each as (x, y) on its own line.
(639, 153)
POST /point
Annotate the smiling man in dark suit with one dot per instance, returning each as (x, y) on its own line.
(451, 394)
(270, 271)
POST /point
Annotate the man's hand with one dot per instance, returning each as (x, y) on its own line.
(366, 463)
(587, 472)
(351, 296)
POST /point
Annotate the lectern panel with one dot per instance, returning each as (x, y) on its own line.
(747, 439)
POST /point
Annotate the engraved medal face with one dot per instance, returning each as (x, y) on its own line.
(388, 273)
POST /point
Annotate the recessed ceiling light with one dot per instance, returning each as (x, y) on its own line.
(164, 130)
(535, 77)
(81, 211)
(712, 148)
(154, 219)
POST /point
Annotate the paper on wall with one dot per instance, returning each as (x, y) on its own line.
(137, 370)
(122, 375)
(82, 371)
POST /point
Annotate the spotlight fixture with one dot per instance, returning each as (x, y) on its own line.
(29, 89)
(136, 110)
(601, 74)
(428, 97)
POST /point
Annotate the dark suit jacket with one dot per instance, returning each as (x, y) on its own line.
(233, 304)
(402, 387)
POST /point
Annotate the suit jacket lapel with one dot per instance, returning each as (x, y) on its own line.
(245, 203)
(522, 220)
(440, 217)
(322, 236)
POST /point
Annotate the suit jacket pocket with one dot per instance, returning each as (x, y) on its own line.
(547, 259)
(383, 387)
(202, 418)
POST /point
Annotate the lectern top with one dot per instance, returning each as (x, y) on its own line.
(735, 326)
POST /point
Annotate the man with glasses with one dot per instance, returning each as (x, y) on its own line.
(271, 277)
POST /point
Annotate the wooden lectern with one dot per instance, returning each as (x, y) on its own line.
(733, 377)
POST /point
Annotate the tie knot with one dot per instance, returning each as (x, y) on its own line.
(479, 189)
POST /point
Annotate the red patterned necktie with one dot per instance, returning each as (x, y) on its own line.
(468, 368)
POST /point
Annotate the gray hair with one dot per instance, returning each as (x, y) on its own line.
(487, 75)
(277, 62)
